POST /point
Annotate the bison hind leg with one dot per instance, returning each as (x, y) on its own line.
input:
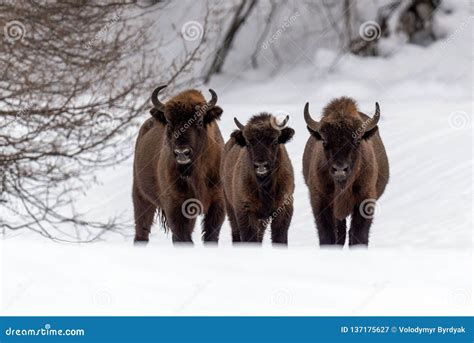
(280, 225)
(144, 213)
(233, 223)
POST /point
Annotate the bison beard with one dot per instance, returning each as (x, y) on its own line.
(184, 129)
(258, 180)
(344, 166)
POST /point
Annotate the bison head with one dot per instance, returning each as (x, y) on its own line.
(262, 136)
(187, 117)
(341, 131)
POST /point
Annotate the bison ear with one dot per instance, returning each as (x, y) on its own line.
(239, 137)
(158, 115)
(315, 134)
(286, 135)
(370, 133)
(213, 114)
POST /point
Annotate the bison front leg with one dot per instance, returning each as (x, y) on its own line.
(213, 219)
(360, 226)
(325, 224)
(341, 229)
(181, 224)
(247, 224)
(280, 225)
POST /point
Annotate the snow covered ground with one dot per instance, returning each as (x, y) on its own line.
(420, 256)
(117, 279)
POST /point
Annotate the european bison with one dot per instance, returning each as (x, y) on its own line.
(176, 167)
(258, 179)
(346, 169)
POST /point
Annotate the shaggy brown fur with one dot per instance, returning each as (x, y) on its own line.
(160, 182)
(258, 180)
(344, 144)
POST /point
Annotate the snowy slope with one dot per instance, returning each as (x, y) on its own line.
(420, 256)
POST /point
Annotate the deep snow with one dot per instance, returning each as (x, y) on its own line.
(420, 256)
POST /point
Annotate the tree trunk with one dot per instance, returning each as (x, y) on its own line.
(241, 14)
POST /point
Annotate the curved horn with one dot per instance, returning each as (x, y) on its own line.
(211, 103)
(375, 119)
(284, 122)
(312, 124)
(239, 124)
(154, 98)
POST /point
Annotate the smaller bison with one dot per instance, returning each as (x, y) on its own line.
(346, 169)
(176, 167)
(258, 179)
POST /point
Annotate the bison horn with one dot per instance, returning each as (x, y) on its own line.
(312, 124)
(284, 122)
(154, 99)
(239, 124)
(375, 119)
(213, 100)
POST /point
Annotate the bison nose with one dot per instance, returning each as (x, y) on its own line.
(261, 168)
(184, 151)
(183, 155)
(340, 171)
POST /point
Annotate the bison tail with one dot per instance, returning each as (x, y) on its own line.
(162, 219)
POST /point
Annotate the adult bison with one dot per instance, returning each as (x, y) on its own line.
(258, 179)
(346, 169)
(176, 167)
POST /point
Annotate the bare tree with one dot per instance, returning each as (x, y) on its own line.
(75, 76)
(268, 21)
(242, 12)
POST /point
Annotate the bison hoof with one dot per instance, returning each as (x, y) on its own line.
(140, 241)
